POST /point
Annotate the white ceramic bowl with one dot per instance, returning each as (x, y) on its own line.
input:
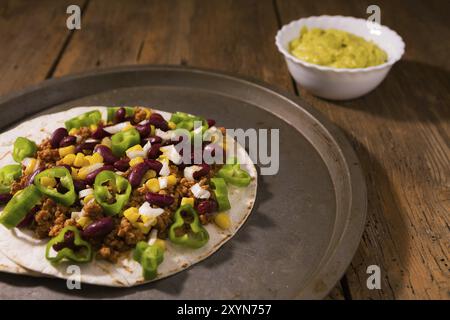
(336, 83)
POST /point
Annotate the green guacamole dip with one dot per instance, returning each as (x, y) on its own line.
(336, 48)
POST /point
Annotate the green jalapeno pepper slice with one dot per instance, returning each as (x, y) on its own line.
(221, 193)
(233, 174)
(150, 257)
(67, 195)
(111, 191)
(123, 140)
(187, 229)
(84, 120)
(111, 112)
(80, 251)
(18, 207)
(8, 174)
(23, 148)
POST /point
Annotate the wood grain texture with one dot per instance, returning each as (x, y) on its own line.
(401, 133)
(31, 35)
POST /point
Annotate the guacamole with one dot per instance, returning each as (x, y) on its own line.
(336, 48)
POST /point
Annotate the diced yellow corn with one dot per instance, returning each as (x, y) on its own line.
(152, 130)
(30, 167)
(73, 131)
(189, 201)
(48, 182)
(66, 150)
(148, 113)
(74, 173)
(88, 198)
(222, 220)
(97, 158)
(151, 221)
(136, 161)
(171, 180)
(172, 125)
(152, 185)
(160, 243)
(106, 141)
(93, 127)
(84, 221)
(149, 174)
(132, 214)
(137, 147)
(144, 229)
(69, 159)
(79, 160)
(127, 127)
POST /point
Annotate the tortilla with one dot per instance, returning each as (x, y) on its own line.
(29, 253)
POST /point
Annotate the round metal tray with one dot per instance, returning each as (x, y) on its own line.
(307, 221)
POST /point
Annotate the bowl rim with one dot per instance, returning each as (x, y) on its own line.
(289, 56)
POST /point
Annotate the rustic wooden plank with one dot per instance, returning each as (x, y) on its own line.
(31, 35)
(209, 34)
(401, 135)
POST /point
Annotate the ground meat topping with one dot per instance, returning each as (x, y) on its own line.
(139, 115)
(50, 219)
(46, 154)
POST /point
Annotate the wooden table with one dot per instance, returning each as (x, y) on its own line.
(400, 131)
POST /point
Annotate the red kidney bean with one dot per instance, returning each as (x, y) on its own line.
(85, 146)
(120, 114)
(106, 153)
(30, 179)
(154, 139)
(90, 178)
(160, 200)
(67, 141)
(57, 136)
(154, 151)
(29, 218)
(207, 206)
(211, 122)
(99, 133)
(69, 242)
(137, 173)
(153, 165)
(158, 121)
(143, 129)
(122, 164)
(79, 185)
(5, 197)
(205, 168)
(98, 229)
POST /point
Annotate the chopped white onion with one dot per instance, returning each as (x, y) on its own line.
(162, 182)
(76, 215)
(166, 115)
(199, 192)
(153, 236)
(117, 127)
(165, 170)
(146, 148)
(94, 167)
(135, 153)
(171, 153)
(91, 140)
(146, 210)
(79, 138)
(84, 193)
(189, 172)
(165, 135)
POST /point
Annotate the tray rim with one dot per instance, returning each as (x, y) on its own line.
(351, 235)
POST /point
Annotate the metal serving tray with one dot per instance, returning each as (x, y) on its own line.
(307, 221)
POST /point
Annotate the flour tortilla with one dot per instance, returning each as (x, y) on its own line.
(29, 253)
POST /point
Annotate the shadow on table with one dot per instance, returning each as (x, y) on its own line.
(412, 91)
(385, 241)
